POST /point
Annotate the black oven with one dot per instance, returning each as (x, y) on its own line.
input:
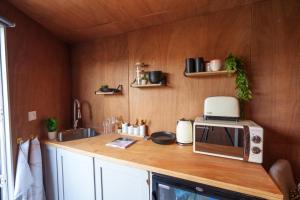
(170, 188)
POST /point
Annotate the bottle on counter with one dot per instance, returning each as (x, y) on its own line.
(124, 127)
(143, 128)
(113, 123)
(136, 128)
(119, 126)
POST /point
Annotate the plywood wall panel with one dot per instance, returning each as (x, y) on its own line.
(166, 48)
(163, 48)
(38, 76)
(101, 63)
(265, 34)
(275, 73)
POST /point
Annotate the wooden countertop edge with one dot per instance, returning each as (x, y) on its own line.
(210, 182)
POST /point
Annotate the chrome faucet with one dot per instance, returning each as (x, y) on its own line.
(76, 112)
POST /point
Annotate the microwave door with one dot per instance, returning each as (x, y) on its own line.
(220, 141)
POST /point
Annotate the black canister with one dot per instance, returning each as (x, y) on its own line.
(189, 65)
(155, 77)
(199, 65)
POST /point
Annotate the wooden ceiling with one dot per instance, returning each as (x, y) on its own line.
(81, 20)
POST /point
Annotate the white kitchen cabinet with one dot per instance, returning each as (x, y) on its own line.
(115, 181)
(50, 172)
(75, 176)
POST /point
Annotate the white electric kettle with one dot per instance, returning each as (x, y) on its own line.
(184, 132)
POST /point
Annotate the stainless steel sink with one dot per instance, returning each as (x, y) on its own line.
(75, 134)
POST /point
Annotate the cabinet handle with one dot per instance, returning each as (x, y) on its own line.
(148, 182)
(62, 175)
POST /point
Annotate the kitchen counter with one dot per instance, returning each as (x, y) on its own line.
(181, 162)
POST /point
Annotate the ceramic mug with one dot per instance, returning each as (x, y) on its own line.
(199, 64)
(190, 65)
(207, 67)
(215, 65)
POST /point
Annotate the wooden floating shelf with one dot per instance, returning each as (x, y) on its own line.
(106, 93)
(115, 91)
(148, 85)
(202, 74)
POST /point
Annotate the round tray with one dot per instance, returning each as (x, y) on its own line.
(163, 137)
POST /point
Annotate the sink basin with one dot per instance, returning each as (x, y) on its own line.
(75, 134)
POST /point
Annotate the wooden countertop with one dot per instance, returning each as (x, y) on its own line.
(180, 162)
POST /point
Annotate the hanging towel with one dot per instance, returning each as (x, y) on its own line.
(24, 178)
(36, 192)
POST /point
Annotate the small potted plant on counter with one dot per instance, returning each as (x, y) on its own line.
(51, 124)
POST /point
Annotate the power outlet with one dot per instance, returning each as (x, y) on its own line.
(32, 116)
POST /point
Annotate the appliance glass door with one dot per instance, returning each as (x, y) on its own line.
(170, 188)
(166, 192)
(220, 140)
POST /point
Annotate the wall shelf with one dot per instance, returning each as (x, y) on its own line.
(203, 74)
(113, 91)
(106, 93)
(148, 85)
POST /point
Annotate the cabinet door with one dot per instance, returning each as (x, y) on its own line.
(120, 182)
(75, 176)
(50, 172)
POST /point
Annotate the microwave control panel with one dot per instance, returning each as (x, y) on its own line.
(256, 144)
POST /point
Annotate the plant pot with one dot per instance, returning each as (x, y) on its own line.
(155, 77)
(52, 135)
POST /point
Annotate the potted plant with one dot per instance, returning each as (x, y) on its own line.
(234, 64)
(51, 124)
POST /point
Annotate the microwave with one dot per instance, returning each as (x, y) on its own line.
(242, 140)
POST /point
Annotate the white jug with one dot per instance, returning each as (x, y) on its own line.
(184, 132)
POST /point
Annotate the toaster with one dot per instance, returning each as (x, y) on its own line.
(221, 108)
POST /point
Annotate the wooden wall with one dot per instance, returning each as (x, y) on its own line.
(39, 75)
(275, 74)
(101, 63)
(265, 34)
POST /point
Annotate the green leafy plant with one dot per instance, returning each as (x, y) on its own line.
(51, 124)
(234, 64)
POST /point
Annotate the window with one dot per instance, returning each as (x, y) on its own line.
(6, 161)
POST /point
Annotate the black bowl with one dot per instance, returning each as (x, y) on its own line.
(155, 77)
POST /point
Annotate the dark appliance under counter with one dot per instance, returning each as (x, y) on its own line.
(170, 188)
